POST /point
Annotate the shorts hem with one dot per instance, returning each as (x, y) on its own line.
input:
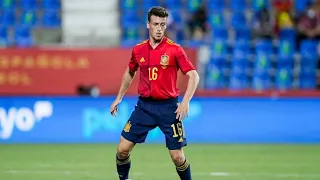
(176, 147)
(131, 139)
(128, 139)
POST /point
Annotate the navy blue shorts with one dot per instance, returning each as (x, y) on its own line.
(149, 114)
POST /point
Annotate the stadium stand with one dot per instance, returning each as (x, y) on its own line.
(26, 23)
(239, 58)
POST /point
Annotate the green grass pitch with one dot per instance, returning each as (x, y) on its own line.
(152, 162)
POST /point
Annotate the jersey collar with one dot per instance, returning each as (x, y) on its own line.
(164, 39)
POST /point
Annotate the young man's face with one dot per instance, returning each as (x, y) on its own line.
(157, 26)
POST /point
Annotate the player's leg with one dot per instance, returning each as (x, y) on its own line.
(135, 131)
(123, 158)
(175, 141)
(182, 164)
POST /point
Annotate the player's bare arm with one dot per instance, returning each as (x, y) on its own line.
(125, 84)
(183, 108)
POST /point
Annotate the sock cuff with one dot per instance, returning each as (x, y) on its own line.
(183, 166)
(123, 161)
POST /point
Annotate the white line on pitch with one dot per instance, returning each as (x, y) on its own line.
(87, 173)
(264, 174)
(244, 174)
(219, 174)
(61, 172)
(242, 164)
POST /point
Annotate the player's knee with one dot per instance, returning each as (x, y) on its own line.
(177, 157)
(124, 148)
(122, 152)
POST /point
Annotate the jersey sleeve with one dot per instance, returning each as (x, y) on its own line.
(133, 64)
(183, 61)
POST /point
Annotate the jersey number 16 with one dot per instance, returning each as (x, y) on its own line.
(153, 75)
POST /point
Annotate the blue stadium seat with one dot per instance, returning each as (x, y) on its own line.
(309, 48)
(193, 5)
(4, 38)
(216, 19)
(284, 78)
(172, 4)
(238, 20)
(130, 33)
(243, 34)
(28, 18)
(308, 68)
(239, 66)
(238, 5)
(128, 5)
(285, 62)
(257, 5)
(142, 33)
(218, 61)
(220, 33)
(177, 17)
(261, 83)
(238, 82)
(264, 46)
(214, 77)
(218, 48)
(214, 5)
(129, 18)
(22, 31)
(129, 42)
(241, 49)
(179, 37)
(140, 16)
(3, 32)
(23, 37)
(147, 4)
(301, 5)
(8, 18)
(7, 4)
(51, 4)
(193, 43)
(287, 34)
(261, 65)
(29, 5)
(286, 48)
(307, 82)
(51, 18)
(308, 65)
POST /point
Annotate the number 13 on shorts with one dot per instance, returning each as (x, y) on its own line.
(178, 130)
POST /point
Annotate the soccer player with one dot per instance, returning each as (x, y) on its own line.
(159, 60)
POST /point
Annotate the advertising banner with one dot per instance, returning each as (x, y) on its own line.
(61, 71)
(211, 120)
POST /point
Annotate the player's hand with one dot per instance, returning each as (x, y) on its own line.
(114, 107)
(182, 110)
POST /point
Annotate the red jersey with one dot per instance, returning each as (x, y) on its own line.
(159, 68)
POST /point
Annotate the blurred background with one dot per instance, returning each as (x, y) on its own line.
(253, 56)
(61, 64)
(236, 44)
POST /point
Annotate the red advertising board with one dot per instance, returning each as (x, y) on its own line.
(60, 71)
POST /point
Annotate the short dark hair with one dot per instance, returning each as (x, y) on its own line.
(157, 11)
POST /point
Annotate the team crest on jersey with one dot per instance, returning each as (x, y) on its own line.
(127, 127)
(164, 61)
